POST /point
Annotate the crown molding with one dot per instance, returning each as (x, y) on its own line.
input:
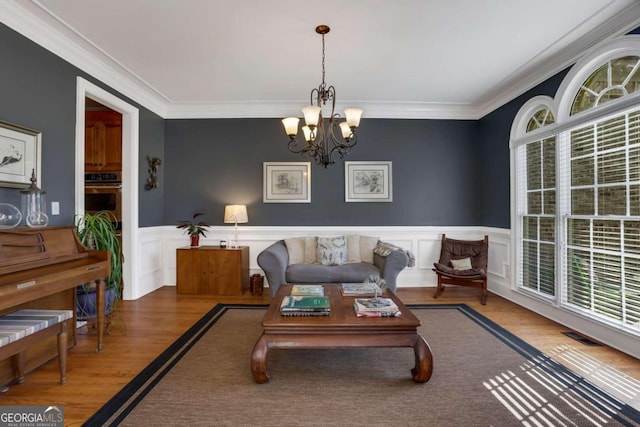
(533, 74)
(34, 23)
(257, 109)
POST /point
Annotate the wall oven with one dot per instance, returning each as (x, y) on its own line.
(103, 192)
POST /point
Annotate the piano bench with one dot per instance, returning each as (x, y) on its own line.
(21, 329)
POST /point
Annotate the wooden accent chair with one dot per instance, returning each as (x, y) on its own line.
(463, 263)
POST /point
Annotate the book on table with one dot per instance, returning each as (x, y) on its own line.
(313, 290)
(305, 305)
(375, 307)
(360, 289)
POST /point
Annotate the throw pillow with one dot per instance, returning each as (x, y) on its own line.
(461, 264)
(332, 250)
(353, 248)
(295, 247)
(367, 245)
(310, 256)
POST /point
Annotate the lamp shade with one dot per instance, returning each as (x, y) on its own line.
(235, 214)
(345, 129)
(311, 115)
(291, 125)
(307, 133)
(353, 116)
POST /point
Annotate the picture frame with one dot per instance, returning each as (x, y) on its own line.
(20, 152)
(286, 182)
(368, 182)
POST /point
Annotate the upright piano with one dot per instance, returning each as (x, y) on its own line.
(36, 264)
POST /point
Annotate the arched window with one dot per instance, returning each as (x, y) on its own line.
(613, 80)
(541, 118)
(577, 187)
(536, 197)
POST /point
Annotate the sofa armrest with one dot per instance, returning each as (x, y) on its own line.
(390, 266)
(273, 261)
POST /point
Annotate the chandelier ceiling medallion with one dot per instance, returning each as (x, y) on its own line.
(321, 141)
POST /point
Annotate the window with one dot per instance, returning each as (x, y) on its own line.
(603, 223)
(577, 187)
(538, 218)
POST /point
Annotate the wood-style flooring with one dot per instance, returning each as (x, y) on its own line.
(150, 324)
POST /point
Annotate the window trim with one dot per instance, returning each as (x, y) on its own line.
(560, 106)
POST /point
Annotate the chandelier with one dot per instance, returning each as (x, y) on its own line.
(321, 141)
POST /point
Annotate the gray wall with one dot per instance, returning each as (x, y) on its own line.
(38, 91)
(494, 132)
(211, 163)
(445, 172)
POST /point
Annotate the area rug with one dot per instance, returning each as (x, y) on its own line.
(483, 376)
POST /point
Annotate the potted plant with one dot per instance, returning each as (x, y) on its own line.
(98, 232)
(194, 229)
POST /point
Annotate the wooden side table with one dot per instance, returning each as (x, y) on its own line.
(212, 270)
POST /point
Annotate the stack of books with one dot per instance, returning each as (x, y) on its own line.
(305, 305)
(375, 307)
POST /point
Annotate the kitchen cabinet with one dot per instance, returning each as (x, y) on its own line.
(103, 141)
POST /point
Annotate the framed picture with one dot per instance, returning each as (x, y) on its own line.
(19, 155)
(368, 182)
(288, 182)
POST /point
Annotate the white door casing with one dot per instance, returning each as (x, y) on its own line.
(130, 149)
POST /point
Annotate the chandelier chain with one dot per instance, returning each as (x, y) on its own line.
(323, 83)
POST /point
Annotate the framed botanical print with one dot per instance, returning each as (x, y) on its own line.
(286, 182)
(368, 182)
(19, 155)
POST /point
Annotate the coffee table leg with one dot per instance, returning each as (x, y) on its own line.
(424, 360)
(259, 361)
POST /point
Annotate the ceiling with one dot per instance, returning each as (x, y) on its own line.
(255, 58)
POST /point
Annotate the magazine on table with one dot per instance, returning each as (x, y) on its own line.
(375, 305)
(360, 289)
(376, 313)
(313, 290)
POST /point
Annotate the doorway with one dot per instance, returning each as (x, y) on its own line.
(130, 175)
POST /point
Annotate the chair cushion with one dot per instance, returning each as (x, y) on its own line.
(450, 271)
(317, 273)
(21, 323)
(461, 264)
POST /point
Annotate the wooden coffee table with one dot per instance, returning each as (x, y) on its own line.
(341, 329)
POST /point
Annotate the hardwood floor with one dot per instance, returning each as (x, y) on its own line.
(150, 324)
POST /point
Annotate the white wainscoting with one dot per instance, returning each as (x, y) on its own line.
(158, 249)
(157, 264)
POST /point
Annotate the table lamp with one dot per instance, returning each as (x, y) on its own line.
(235, 214)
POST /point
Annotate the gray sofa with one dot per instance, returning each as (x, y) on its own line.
(274, 261)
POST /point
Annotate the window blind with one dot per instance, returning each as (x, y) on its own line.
(602, 225)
